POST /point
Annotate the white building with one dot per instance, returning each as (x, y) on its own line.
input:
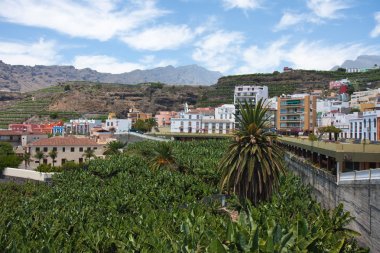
(339, 120)
(361, 97)
(364, 126)
(205, 120)
(118, 126)
(325, 106)
(226, 111)
(81, 126)
(250, 93)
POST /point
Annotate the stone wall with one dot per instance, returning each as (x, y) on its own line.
(360, 198)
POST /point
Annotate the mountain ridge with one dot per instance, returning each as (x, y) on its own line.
(362, 61)
(22, 78)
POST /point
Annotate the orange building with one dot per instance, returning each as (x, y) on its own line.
(135, 115)
(296, 113)
(163, 117)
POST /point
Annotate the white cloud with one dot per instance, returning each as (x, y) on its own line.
(316, 55)
(376, 31)
(289, 19)
(100, 20)
(242, 4)
(303, 55)
(263, 59)
(160, 37)
(36, 53)
(319, 11)
(219, 51)
(327, 8)
(108, 64)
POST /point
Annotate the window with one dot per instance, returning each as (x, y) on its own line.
(95, 148)
(81, 149)
(72, 149)
(45, 149)
(63, 149)
(54, 148)
(37, 149)
(374, 123)
(88, 148)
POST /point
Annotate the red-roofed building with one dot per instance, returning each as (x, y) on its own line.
(45, 128)
(68, 149)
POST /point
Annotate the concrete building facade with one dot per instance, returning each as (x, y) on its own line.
(68, 149)
(296, 113)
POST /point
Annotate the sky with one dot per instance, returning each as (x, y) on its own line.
(230, 36)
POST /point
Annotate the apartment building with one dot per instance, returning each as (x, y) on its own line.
(364, 99)
(135, 115)
(296, 113)
(248, 93)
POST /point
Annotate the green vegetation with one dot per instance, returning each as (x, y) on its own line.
(286, 83)
(113, 147)
(121, 205)
(27, 108)
(330, 130)
(253, 164)
(8, 157)
(145, 125)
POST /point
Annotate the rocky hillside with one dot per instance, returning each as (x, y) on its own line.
(85, 97)
(26, 78)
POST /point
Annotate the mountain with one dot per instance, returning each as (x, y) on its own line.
(26, 78)
(363, 61)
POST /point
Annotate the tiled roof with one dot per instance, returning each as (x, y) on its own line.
(9, 132)
(65, 141)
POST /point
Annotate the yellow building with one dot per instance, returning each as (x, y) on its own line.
(296, 113)
(135, 115)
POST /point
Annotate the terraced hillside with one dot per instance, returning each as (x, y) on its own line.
(286, 83)
(74, 99)
(33, 104)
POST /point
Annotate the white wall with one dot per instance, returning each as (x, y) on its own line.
(120, 125)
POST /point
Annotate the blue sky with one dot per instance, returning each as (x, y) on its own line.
(230, 36)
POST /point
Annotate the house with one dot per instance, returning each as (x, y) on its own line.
(11, 136)
(135, 115)
(68, 149)
(163, 117)
(118, 126)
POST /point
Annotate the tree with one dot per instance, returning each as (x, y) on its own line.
(26, 159)
(112, 148)
(253, 163)
(330, 130)
(8, 157)
(89, 153)
(163, 157)
(39, 155)
(53, 154)
(141, 125)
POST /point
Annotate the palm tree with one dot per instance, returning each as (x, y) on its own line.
(39, 155)
(26, 159)
(112, 148)
(253, 163)
(162, 156)
(88, 154)
(53, 154)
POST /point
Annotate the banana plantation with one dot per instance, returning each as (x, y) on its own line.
(158, 197)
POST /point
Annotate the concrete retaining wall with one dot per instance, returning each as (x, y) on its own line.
(19, 175)
(360, 198)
